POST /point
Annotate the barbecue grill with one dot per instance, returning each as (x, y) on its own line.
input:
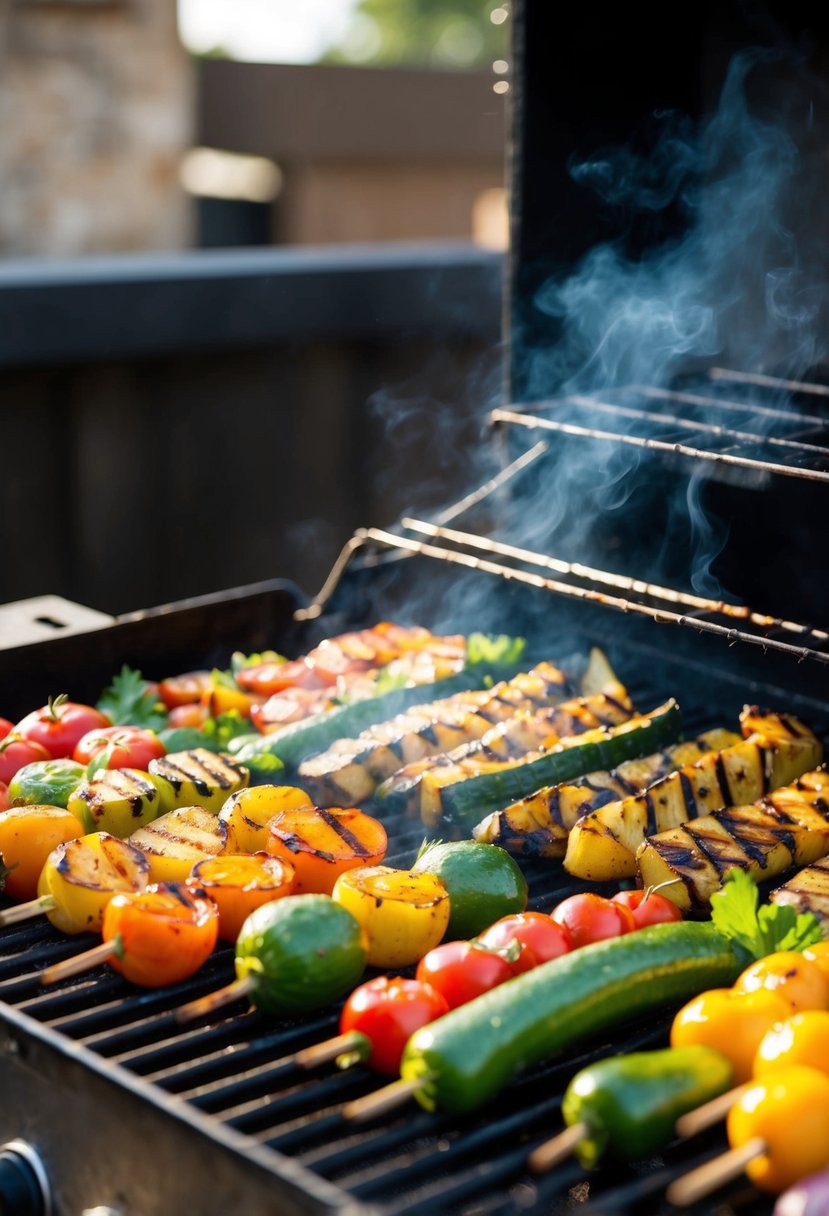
(110, 1103)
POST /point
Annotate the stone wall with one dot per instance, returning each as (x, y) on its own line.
(96, 106)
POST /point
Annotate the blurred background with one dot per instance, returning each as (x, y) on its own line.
(250, 264)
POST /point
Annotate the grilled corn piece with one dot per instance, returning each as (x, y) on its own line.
(808, 891)
(510, 740)
(538, 826)
(776, 749)
(787, 827)
(198, 778)
(351, 769)
(175, 842)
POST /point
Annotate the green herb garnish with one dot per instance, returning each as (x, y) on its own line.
(760, 930)
(492, 650)
(218, 731)
(131, 701)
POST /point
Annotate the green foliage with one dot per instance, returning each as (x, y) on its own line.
(764, 930)
(451, 34)
(130, 701)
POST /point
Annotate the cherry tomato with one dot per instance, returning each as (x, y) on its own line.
(648, 907)
(4, 796)
(59, 725)
(5, 727)
(592, 918)
(731, 1022)
(799, 980)
(788, 1111)
(184, 689)
(194, 714)
(164, 933)
(128, 747)
(267, 678)
(388, 1011)
(461, 970)
(15, 752)
(539, 936)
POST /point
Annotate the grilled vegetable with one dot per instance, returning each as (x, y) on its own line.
(249, 811)
(321, 844)
(515, 738)
(161, 935)
(175, 842)
(454, 804)
(46, 782)
(538, 825)
(788, 827)
(198, 778)
(403, 913)
(483, 881)
(731, 1022)
(466, 1058)
(117, 801)
(380, 1016)
(808, 891)
(80, 877)
(351, 769)
(238, 885)
(776, 749)
(628, 1105)
(486, 659)
(788, 1113)
(28, 834)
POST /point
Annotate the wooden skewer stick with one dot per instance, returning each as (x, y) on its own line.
(709, 1113)
(382, 1100)
(27, 911)
(350, 1043)
(706, 1178)
(552, 1152)
(80, 963)
(215, 1000)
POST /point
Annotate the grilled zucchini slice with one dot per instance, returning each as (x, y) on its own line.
(776, 749)
(117, 800)
(199, 778)
(175, 842)
(788, 827)
(808, 891)
(351, 769)
(538, 826)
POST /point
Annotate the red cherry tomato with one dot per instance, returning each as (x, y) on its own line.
(538, 935)
(184, 689)
(194, 714)
(5, 727)
(4, 796)
(59, 725)
(127, 747)
(388, 1011)
(592, 918)
(460, 970)
(15, 751)
(264, 679)
(648, 907)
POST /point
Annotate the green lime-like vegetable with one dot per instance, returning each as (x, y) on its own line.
(629, 1104)
(45, 783)
(302, 953)
(483, 881)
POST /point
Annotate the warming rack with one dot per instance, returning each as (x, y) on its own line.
(648, 417)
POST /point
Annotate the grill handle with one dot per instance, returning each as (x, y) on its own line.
(24, 1183)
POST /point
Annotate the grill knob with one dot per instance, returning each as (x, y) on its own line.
(24, 1184)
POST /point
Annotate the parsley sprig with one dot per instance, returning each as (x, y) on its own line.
(760, 930)
(131, 701)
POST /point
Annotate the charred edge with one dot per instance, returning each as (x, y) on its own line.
(650, 811)
(224, 775)
(688, 795)
(757, 852)
(347, 836)
(711, 853)
(626, 787)
(679, 857)
(722, 780)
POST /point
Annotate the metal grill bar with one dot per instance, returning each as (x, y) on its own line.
(634, 586)
(763, 381)
(514, 418)
(741, 407)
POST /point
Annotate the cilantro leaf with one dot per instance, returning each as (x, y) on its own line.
(130, 701)
(220, 730)
(760, 931)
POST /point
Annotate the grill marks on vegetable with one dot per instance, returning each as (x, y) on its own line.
(206, 770)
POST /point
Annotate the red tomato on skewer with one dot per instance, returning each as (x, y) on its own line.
(60, 725)
(388, 1012)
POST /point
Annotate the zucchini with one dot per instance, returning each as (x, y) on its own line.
(468, 1056)
(776, 749)
(295, 743)
(456, 808)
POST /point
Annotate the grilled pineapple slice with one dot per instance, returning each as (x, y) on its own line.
(348, 772)
(776, 749)
(198, 778)
(175, 842)
(788, 827)
(808, 891)
(510, 740)
(538, 826)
